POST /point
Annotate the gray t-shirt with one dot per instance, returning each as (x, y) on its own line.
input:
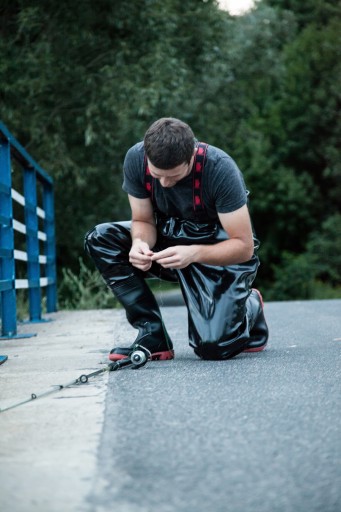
(223, 187)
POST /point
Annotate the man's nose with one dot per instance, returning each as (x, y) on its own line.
(165, 182)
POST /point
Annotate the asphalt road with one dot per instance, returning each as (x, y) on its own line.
(258, 433)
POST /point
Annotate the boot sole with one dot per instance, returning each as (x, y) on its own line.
(156, 356)
(256, 349)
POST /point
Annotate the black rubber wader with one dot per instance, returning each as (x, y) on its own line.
(222, 308)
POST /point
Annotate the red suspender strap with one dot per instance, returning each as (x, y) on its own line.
(198, 170)
(148, 180)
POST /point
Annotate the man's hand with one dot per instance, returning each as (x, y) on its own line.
(179, 256)
(140, 255)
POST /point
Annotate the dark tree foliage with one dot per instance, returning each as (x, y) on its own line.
(300, 128)
(80, 82)
(307, 12)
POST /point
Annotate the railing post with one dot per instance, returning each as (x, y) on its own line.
(50, 249)
(7, 265)
(10, 147)
(32, 243)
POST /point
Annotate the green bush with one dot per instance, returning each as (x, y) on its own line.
(294, 279)
(326, 291)
(324, 250)
(85, 290)
(314, 274)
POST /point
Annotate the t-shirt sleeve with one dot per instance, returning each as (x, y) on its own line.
(228, 186)
(133, 173)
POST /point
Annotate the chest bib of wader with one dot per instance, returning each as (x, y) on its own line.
(197, 173)
(173, 230)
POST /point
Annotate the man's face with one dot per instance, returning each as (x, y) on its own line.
(168, 178)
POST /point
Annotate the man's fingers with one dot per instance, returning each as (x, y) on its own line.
(142, 266)
(167, 261)
(147, 252)
(139, 257)
(159, 256)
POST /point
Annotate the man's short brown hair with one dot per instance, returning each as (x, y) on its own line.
(169, 142)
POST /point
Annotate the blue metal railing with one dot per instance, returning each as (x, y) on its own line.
(33, 177)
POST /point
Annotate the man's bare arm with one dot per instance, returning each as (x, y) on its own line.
(143, 222)
(238, 248)
(143, 233)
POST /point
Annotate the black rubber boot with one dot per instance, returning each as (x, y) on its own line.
(109, 244)
(143, 313)
(259, 332)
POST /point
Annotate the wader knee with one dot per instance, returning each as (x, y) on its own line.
(108, 245)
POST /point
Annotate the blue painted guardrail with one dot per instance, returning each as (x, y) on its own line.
(38, 228)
